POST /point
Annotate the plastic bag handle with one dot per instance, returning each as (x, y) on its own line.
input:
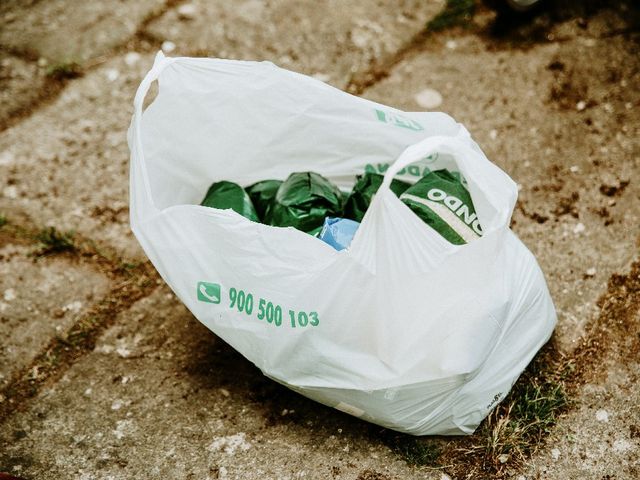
(424, 148)
(145, 201)
(152, 75)
(498, 190)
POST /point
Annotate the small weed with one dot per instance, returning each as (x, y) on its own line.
(537, 406)
(518, 426)
(50, 359)
(415, 451)
(3, 220)
(64, 71)
(54, 241)
(509, 435)
(76, 338)
(129, 266)
(455, 13)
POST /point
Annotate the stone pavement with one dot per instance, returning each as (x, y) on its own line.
(41, 298)
(103, 372)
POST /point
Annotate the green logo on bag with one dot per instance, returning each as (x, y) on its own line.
(209, 292)
(413, 170)
(398, 120)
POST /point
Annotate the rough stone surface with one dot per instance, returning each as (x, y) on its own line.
(67, 165)
(20, 83)
(601, 438)
(565, 128)
(162, 397)
(576, 211)
(322, 38)
(39, 299)
(66, 31)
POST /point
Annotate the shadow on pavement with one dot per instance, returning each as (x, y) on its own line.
(525, 29)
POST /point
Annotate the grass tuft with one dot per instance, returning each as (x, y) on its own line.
(64, 71)
(518, 426)
(3, 220)
(455, 13)
(53, 241)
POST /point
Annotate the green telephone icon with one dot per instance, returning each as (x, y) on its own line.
(209, 292)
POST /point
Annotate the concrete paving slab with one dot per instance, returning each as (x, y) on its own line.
(69, 161)
(39, 299)
(600, 438)
(67, 165)
(20, 85)
(565, 127)
(575, 162)
(162, 397)
(65, 31)
(329, 39)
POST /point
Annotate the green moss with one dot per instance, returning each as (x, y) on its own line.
(455, 13)
(53, 241)
(65, 70)
(520, 423)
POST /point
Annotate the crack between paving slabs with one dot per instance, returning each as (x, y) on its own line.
(53, 86)
(130, 283)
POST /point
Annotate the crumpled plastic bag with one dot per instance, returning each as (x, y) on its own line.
(303, 201)
(263, 194)
(442, 202)
(363, 191)
(402, 329)
(225, 195)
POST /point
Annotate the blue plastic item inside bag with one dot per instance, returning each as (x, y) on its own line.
(338, 232)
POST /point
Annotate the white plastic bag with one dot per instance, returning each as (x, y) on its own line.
(402, 329)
